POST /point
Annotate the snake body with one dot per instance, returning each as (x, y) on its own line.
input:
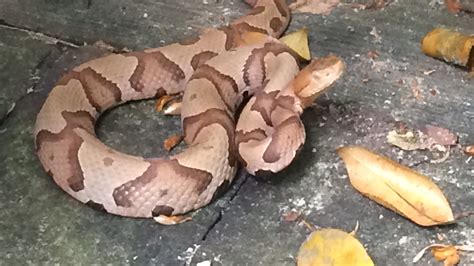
(217, 71)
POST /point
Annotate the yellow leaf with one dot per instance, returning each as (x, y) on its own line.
(298, 42)
(332, 247)
(396, 187)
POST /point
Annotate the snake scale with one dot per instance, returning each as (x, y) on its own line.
(217, 71)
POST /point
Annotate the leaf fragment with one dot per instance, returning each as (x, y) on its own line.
(332, 247)
(452, 5)
(469, 150)
(291, 216)
(431, 137)
(441, 136)
(408, 141)
(396, 187)
(455, 6)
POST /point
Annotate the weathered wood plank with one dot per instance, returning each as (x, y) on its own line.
(20, 56)
(48, 226)
(361, 109)
(121, 23)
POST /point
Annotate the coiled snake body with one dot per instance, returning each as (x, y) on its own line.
(216, 71)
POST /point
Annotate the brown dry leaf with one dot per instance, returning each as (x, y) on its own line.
(441, 136)
(396, 187)
(408, 140)
(451, 46)
(447, 254)
(452, 5)
(456, 6)
(172, 142)
(323, 7)
(291, 216)
(469, 150)
(432, 137)
(332, 247)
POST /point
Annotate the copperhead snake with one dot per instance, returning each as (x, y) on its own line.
(217, 71)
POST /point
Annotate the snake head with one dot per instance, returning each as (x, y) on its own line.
(317, 77)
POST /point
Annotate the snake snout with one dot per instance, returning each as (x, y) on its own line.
(317, 77)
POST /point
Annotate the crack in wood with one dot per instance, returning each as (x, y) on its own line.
(40, 36)
(220, 215)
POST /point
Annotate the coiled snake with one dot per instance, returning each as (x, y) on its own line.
(217, 71)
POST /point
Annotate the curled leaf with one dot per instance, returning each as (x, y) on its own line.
(332, 247)
(396, 187)
(162, 101)
(447, 254)
(451, 46)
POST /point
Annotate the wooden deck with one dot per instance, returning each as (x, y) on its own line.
(39, 40)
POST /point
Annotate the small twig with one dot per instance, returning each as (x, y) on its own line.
(356, 228)
(308, 225)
